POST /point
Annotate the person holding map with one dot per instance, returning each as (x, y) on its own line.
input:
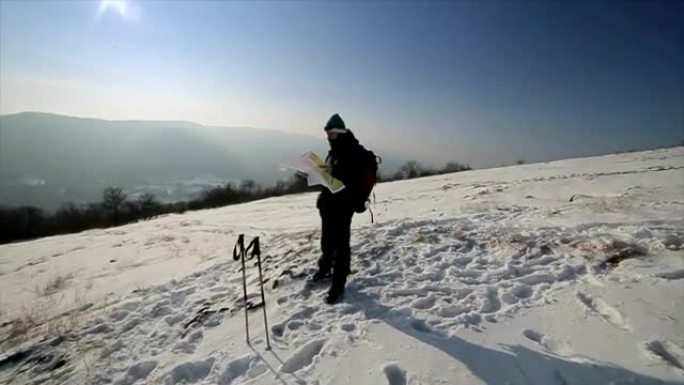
(344, 164)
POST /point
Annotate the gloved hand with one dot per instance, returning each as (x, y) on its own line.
(326, 168)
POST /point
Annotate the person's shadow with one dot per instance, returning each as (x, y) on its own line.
(516, 365)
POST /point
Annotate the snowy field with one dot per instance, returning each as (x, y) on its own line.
(568, 272)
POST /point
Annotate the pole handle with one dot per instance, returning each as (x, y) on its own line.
(255, 248)
(239, 247)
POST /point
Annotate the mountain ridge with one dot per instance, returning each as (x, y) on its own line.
(74, 158)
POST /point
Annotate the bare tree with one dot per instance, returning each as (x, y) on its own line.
(112, 200)
(455, 167)
(248, 186)
(147, 203)
(411, 169)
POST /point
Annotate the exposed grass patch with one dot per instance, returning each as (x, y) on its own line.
(20, 327)
(618, 251)
(35, 321)
(54, 285)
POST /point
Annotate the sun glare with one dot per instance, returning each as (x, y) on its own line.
(118, 6)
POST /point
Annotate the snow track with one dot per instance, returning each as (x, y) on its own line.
(509, 283)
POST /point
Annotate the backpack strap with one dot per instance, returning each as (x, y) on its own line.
(371, 213)
(368, 206)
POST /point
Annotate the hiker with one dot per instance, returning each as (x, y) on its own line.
(344, 162)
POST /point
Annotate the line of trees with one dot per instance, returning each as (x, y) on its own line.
(115, 208)
(413, 169)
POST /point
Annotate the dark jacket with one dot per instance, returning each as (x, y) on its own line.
(344, 158)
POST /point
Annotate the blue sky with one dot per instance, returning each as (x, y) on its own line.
(479, 82)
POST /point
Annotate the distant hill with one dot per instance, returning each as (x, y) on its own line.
(48, 159)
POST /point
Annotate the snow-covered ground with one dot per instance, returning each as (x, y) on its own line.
(569, 272)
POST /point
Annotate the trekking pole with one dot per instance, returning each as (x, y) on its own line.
(256, 251)
(241, 245)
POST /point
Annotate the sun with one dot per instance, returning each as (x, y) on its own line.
(118, 6)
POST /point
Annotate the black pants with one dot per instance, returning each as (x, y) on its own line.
(335, 237)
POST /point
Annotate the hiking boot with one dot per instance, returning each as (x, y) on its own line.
(335, 295)
(336, 290)
(320, 275)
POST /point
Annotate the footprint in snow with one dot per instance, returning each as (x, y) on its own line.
(672, 275)
(395, 375)
(348, 327)
(557, 347)
(188, 346)
(118, 315)
(189, 372)
(491, 302)
(665, 351)
(303, 357)
(246, 365)
(278, 330)
(424, 303)
(139, 371)
(604, 310)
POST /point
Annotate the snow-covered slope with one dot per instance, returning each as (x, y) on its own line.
(570, 272)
